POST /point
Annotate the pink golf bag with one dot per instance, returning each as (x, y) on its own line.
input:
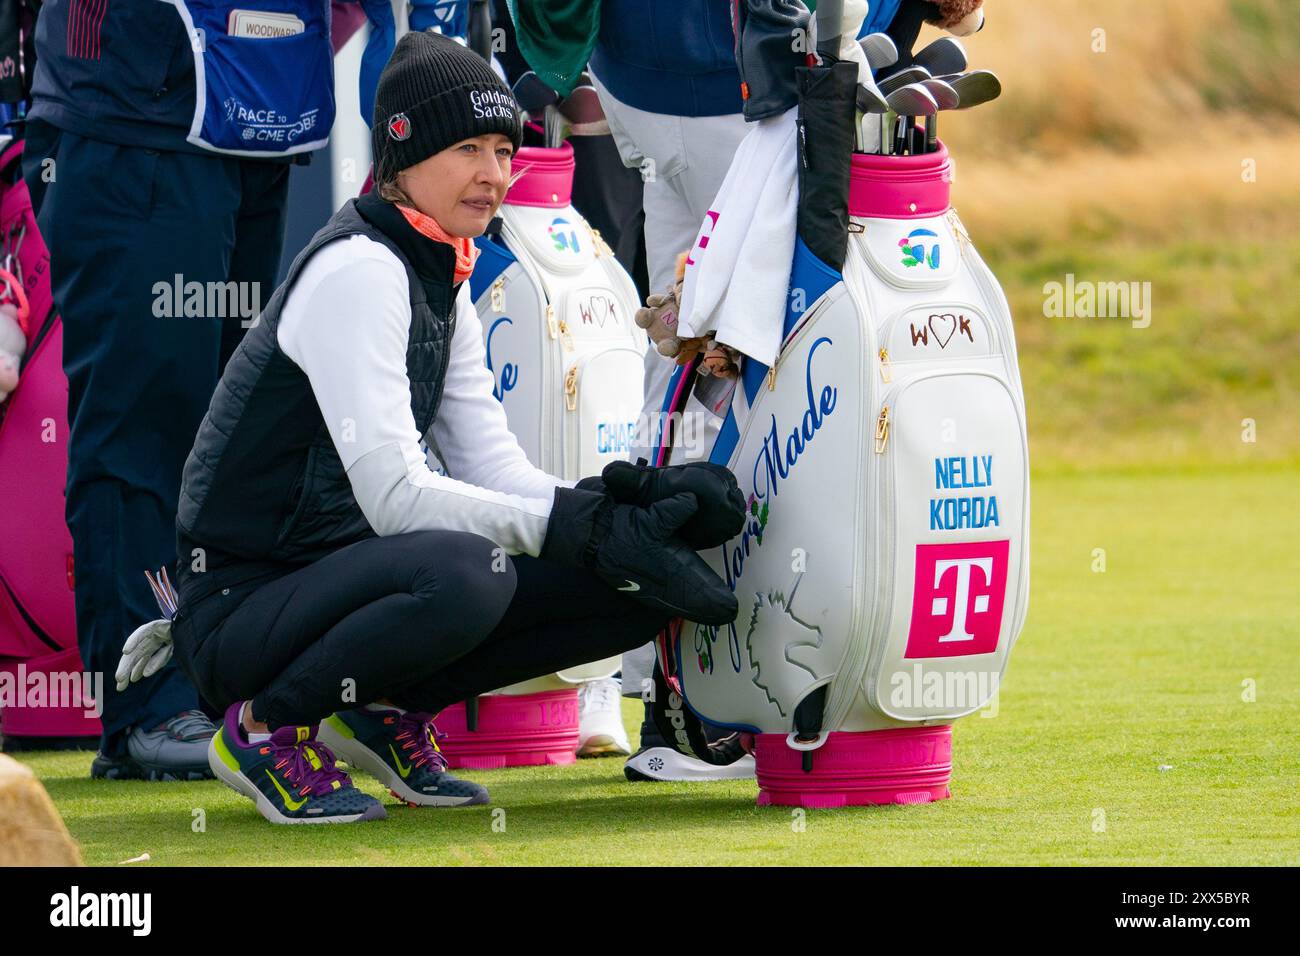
(38, 630)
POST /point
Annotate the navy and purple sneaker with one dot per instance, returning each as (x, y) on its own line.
(291, 777)
(401, 751)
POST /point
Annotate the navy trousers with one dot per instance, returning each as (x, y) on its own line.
(121, 222)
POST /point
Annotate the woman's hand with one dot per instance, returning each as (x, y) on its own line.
(721, 513)
(636, 550)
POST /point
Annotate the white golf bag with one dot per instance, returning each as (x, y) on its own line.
(567, 359)
(883, 574)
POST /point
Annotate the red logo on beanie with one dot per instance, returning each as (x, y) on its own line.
(399, 126)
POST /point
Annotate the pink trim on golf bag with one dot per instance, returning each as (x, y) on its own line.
(514, 730)
(37, 615)
(547, 179)
(900, 187)
(905, 765)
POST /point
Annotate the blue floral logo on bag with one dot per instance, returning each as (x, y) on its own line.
(563, 234)
(913, 247)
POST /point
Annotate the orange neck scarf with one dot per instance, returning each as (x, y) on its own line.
(466, 251)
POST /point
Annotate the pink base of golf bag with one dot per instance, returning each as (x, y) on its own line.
(38, 628)
(513, 730)
(905, 765)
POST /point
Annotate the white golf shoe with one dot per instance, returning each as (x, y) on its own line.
(665, 763)
(600, 720)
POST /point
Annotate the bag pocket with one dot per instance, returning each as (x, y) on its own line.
(909, 254)
(602, 399)
(951, 542)
(260, 96)
(558, 240)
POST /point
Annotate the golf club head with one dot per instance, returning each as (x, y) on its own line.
(943, 93)
(871, 100)
(533, 95)
(556, 127)
(912, 100)
(944, 55)
(584, 113)
(913, 74)
(879, 50)
(976, 87)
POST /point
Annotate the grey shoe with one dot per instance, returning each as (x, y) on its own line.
(176, 749)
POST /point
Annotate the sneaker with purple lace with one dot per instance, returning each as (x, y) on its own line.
(291, 777)
(401, 750)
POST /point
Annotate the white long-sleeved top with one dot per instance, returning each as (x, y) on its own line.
(346, 323)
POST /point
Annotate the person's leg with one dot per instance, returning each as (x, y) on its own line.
(350, 628)
(559, 617)
(259, 243)
(320, 645)
(121, 224)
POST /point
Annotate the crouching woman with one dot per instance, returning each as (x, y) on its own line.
(335, 592)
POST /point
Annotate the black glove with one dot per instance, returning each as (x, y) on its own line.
(721, 514)
(635, 551)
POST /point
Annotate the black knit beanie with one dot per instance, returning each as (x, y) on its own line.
(434, 93)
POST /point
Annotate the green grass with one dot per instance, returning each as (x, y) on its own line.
(1223, 346)
(1117, 674)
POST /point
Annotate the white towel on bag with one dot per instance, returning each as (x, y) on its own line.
(738, 274)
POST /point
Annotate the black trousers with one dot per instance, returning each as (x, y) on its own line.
(121, 222)
(422, 619)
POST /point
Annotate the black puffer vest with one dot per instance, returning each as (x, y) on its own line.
(263, 487)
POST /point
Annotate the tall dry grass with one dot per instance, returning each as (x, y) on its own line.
(1126, 76)
(1167, 157)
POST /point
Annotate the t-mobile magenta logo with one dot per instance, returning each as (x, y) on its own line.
(957, 598)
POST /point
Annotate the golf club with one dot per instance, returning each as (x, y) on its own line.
(913, 74)
(538, 100)
(555, 127)
(907, 101)
(871, 99)
(879, 50)
(872, 105)
(975, 88)
(944, 55)
(948, 99)
(532, 94)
